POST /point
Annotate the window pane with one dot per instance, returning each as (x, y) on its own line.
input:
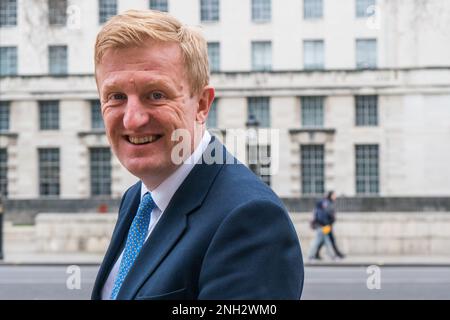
(214, 56)
(259, 107)
(366, 108)
(8, 13)
(4, 171)
(57, 12)
(211, 122)
(259, 161)
(4, 116)
(312, 111)
(312, 169)
(96, 115)
(160, 5)
(100, 160)
(57, 60)
(49, 115)
(261, 10)
(312, 9)
(107, 9)
(366, 54)
(262, 56)
(313, 54)
(49, 172)
(209, 10)
(8, 61)
(367, 166)
(365, 8)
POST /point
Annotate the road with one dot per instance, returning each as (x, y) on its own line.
(343, 282)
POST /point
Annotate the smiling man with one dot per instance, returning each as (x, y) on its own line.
(188, 229)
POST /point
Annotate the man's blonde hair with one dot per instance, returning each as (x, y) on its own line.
(133, 28)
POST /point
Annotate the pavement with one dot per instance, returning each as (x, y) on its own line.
(32, 258)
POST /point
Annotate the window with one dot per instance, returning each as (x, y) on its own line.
(8, 61)
(366, 109)
(313, 54)
(366, 53)
(4, 116)
(261, 10)
(214, 56)
(364, 8)
(96, 115)
(4, 171)
(49, 115)
(261, 56)
(57, 60)
(49, 172)
(259, 107)
(211, 122)
(160, 5)
(100, 160)
(312, 169)
(367, 178)
(312, 9)
(106, 9)
(57, 12)
(258, 160)
(209, 10)
(312, 111)
(8, 13)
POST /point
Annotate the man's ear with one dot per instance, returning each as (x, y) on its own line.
(206, 98)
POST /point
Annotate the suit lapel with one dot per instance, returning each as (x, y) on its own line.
(172, 224)
(125, 218)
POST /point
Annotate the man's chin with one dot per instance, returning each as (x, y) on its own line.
(149, 171)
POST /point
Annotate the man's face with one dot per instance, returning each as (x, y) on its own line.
(145, 96)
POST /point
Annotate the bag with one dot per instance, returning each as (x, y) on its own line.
(326, 229)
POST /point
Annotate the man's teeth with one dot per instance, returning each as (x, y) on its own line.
(142, 140)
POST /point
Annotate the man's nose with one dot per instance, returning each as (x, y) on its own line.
(135, 116)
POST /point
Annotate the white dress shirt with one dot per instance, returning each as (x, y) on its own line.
(161, 195)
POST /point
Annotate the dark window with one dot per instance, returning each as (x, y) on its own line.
(4, 116)
(106, 9)
(49, 115)
(8, 13)
(49, 172)
(100, 159)
(312, 9)
(261, 10)
(4, 171)
(57, 12)
(259, 107)
(366, 108)
(312, 111)
(96, 115)
(312, 169)
(209, 10)
(214, 56)
(160, 5)
(57, 60)
(8, 61)
(367, 176)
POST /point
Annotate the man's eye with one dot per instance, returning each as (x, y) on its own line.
(157, 95)
(117, 96)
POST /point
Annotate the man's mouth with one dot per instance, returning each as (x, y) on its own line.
(143, 140)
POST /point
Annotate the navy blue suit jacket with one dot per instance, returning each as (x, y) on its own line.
(224, 235)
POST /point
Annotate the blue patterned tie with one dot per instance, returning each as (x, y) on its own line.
(135, 241)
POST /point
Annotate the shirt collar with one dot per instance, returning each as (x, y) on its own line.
(165, 191)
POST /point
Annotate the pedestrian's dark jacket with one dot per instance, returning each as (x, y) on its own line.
(324, 213)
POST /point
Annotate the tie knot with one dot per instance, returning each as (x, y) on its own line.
(147, 201)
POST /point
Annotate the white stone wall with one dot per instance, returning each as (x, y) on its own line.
(366, 234)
